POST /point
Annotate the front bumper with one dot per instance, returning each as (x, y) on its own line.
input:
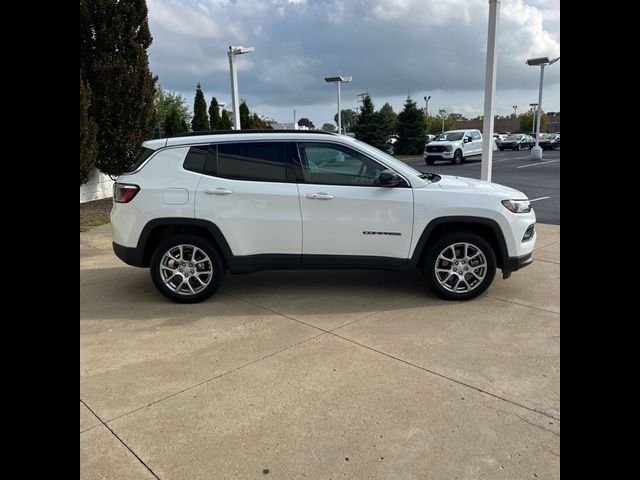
(438, 155)
(512, 264)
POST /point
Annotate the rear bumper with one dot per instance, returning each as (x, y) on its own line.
(129, 255)
(512, 264)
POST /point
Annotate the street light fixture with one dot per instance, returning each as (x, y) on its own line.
(338, 80)
(442, 113)
(536, 151)
(233, 51)
(515, 118)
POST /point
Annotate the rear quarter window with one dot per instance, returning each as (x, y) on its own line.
(144, 154)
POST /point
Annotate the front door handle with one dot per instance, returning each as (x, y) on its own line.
(319, 196)
(217, 191)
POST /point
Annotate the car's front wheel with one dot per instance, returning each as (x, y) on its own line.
(501, 149)
(186, 268)
(457, 157)
(430, 161)
(460, 266)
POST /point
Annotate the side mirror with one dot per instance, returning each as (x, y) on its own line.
(467, 139)
(388, 178)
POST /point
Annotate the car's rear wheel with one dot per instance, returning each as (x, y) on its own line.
(457, 157)
(430, 161)
(501, 149)
(186, 268)
(460, 266)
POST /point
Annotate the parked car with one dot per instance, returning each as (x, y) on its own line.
(454, 145)
(549, 141)
(517, 141)
(429, 138)
(197, 205)
(499, 138)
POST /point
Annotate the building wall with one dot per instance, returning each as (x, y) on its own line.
(97, 187)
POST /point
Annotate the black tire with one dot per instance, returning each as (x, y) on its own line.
(457, 157)
(518, 148)
(430, 161)
(478, 242)
(217, 268)
(501, 149)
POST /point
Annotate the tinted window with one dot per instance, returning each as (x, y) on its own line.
(259, 161)
(475, 135)
(142, 156)
(336, 165)
(196, 159)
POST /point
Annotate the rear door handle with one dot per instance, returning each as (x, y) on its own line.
(319, 196)
(217, 191)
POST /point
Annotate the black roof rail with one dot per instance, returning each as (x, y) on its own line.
(227, 132)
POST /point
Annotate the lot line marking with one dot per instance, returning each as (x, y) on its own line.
(536, 199)
(534, 164)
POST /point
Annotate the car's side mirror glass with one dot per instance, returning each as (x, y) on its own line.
(388, 178)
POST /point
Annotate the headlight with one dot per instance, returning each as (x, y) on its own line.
(517, 206)
(449, 148)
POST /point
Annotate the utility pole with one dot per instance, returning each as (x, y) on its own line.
(515, 118)
(294, 119)
(490, 90)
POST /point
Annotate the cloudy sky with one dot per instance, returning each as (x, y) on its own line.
(392, 48)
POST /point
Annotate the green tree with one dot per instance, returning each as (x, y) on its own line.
(166, 101)
(214, 114)
(305, 122)
(389, 118)
(370, 127)
(527, 119)
(434, 124)
(411, 130)
(200, 120)
(225, 121)
(329, 127)
(348, 118)
(88, 147)
(174, 122)
(246, 122)
(114, 38)
(260, 124)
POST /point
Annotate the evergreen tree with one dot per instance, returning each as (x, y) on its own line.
(369, 126)
(114, 38)
(225, 121)
(88, 147)
(200, 120)
(411, 130)
(329, 127)
(214, 114)
(246, 122)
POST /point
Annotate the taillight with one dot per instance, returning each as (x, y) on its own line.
(124, 193)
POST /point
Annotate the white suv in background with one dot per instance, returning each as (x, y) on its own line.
(454, 146)
(195, 206)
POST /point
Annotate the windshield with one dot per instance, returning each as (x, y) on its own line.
(449, 136)
(547, 136)
(392, 160)
(514, 137)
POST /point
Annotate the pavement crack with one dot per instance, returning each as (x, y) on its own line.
(538, 426)
(121, 441)
(451, 379)
(522, 304)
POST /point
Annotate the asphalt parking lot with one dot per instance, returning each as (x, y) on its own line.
(538, 179)
(319, 375)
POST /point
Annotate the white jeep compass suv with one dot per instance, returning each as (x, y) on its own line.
(197, 205)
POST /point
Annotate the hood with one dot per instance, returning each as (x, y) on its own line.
(435, 143)
(449, 182)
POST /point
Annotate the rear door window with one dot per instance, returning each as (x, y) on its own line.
(256, 161)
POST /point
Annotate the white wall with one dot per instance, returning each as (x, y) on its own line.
(97, 187)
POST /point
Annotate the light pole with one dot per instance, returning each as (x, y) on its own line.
(426, 109)
(442, 113)
(338, 80)
(533, 106)
(233, 51)
(515, 117)
(536, 151)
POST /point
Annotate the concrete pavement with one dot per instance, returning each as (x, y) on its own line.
(318, 374)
